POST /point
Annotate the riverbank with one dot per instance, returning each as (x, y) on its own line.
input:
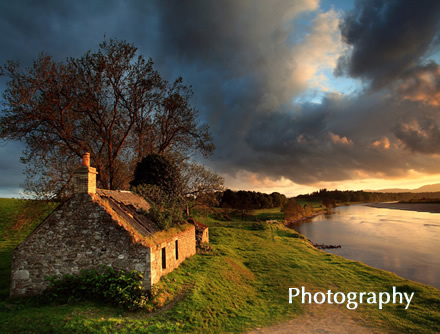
(419, 207)
(302, 219)
(401, 241)
(240, 285)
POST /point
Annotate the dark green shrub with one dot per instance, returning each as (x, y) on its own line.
(165, 216)
(165, 211)
(117, 287)
(156, 169)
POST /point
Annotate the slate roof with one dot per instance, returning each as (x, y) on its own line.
(130, 208)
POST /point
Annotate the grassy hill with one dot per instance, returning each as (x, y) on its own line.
(241, 284)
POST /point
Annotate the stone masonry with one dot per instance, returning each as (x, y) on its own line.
(79, 235)
(186, 247)
(84, 180)
(83, 233)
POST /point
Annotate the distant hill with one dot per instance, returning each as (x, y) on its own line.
(423, 189)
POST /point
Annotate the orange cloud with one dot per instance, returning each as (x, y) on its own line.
(336, 139)
(422, 85)
(414, 127)
(384, 143)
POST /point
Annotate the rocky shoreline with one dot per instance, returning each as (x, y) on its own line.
(323, 246)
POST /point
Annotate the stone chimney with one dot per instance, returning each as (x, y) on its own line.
(84, 178)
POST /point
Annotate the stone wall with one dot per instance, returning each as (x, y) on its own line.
(79, 234)
(205, 236)
(84, 180)
(186, 243)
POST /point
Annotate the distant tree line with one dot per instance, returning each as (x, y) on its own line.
(364, 196)
(251, 200)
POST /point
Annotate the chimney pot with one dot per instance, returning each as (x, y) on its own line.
(86, 159)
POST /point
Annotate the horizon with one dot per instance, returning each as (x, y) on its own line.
(386, 190)
(299, 96)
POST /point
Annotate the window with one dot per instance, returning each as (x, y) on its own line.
(177, 249)
(164, 258)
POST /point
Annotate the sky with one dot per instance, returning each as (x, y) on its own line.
(299, 95)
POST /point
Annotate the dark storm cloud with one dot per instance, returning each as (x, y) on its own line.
(246, 70)
(339, 138)
(237, 57)
(388, 38)
(391, 42)
(69, 28)
(29, 27)
(421, 133)
(240, 64)
(421, 83)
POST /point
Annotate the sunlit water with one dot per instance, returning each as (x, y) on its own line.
(404, 242)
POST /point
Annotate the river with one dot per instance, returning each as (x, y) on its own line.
(404, 242)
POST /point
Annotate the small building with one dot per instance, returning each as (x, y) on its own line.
(202, 232)
(98, 227)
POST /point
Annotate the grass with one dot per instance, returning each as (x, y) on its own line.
(313, 204)
(241, 284)
(268, 214)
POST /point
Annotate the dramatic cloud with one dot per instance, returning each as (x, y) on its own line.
(421, 84)
(421, 133)
(243, 47)
(250, 70)
(342, 139)
(388, 38)
(258, 69)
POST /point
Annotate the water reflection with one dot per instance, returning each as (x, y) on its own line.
(404, 242)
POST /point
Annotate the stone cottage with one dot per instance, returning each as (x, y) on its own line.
(98, 227)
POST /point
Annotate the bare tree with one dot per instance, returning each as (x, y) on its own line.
(200, 185)
(111, 103)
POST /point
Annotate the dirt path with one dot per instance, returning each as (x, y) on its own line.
(320, 319)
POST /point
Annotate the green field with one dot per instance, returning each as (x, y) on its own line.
(241, 284)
